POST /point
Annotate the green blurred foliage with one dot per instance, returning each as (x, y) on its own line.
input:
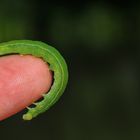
(100, 42)
(96, 26)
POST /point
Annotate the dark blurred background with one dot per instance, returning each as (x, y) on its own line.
(100, 41)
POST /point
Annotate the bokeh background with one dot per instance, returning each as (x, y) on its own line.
(100, 41)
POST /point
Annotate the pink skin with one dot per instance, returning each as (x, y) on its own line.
(23, 80)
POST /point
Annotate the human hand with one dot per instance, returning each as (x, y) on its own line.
(23, 80)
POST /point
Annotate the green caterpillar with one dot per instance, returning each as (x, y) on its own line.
(56, 63)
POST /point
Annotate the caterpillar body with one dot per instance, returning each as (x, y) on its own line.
(56, 63)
